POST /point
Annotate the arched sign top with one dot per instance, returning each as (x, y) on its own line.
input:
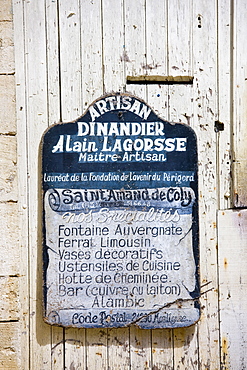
(122, 130)
(120, 218)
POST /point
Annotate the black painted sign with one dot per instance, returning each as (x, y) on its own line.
(120, 219)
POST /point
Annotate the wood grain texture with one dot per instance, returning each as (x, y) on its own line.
(186, 348)
(91, 51)
(57, 348)
(239, 71)
(119, 349)
(224, 113)
(157, 97)
(22, 160)
(232, 284)
(70, 59)
(53, 66)
(75, 349)
(54, 116)
(68, 54)
(113, 50)
(37, 118)
(180, 109)
(135, 62)
(180, 102)
(140, 348)
(96, 349)
(204, 108)
(157, 55)
(134, 51)
(162, 349)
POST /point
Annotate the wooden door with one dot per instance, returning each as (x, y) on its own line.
(68, 53)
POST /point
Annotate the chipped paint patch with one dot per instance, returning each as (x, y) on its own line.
(225, 354)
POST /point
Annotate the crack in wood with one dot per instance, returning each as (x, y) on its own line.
(184, 236)
(167, 305)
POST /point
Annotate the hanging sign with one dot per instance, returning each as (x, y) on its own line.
(120, 219)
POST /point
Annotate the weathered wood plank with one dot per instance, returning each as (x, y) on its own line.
(9, 346)
(157, 97)
(113, 46)
(54, 116)
(92, 53)
(156, 30)
(72, 90)
(224, 105)
(162, 349)
(22, 181)
(204, 71)
(179, 40)
(180, 109)
(96, 350)
(134, 50)
(134, 55)
(232, 284)
(239, 70)
(37, 119)
(140, 348)
(186, 348)
(57, 348)
(118, 349)
(157, 55)
(53, 72)
(118, 41)
(75, 350)
(70, 59)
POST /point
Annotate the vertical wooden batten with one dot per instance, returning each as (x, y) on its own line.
(37, 122)
(92, 51)
(180, 61)
(70, 59)
(156, 63)
(239, 94)
(223, 114)
(134, 51)
(232, 277)
(205, 92)
(113, 46)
